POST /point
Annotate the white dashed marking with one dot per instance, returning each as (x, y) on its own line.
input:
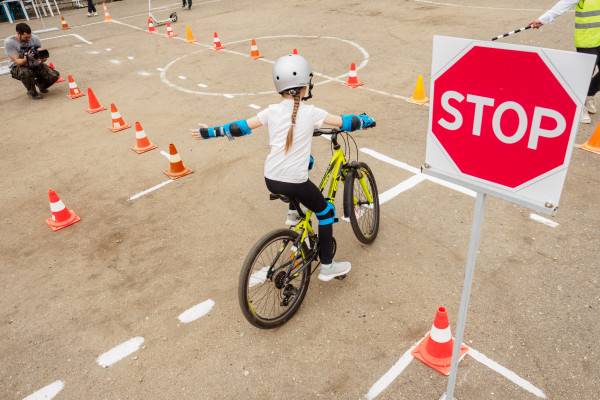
(119, 352)
(254, 106)
(130, 57)
(108, 49)
(47, 392)
(202, 85)
(198, 311)
(115, 61)
(93, 52)
(152, 189)
(160, 69)
(183, 78)
(229, 96)
(144, 73)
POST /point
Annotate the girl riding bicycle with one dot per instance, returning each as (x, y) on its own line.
(291, 124)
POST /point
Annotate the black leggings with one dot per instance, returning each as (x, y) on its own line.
(91, 7)
(311, 197)
(595, 84)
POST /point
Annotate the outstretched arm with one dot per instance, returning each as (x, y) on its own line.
(350, 122)
(229, 130)
(559, 9)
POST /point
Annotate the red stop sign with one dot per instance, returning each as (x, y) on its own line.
(502, 115)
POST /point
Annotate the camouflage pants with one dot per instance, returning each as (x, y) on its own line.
(42, 76)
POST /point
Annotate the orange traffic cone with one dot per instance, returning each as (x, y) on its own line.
(118, 123)
(217, 42)
(352, 80)
(295, 51)
(593, 143)
(151, 27)
(63, 23)
(74, 91)
(176, 169)
(170, 33)
(61, 215)
(107, 17)
(254, 53)
(94, 104)
(60, 78)
(142, 143)
(189, 36)
(436, 349)
(418, 96)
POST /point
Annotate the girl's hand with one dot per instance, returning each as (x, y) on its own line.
(196, 131)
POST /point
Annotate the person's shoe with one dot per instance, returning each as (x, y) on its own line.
(292, 218)
(90, 14)
(43, 89)
(585, 117)
(590, 105)
(329, 271)
(34, 95)
(95, 13)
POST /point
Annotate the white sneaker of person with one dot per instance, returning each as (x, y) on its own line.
(292, 218)
(329, 271)
(95, 14)
(90, 14)
(585, 117)
(590, 105)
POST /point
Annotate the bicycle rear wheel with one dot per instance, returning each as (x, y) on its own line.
(270, 291)
(363, 214)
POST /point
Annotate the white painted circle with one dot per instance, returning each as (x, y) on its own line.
(166, 81)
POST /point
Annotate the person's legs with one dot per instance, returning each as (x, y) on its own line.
(27, 78)
(91, 7)
(45, 77)
(189, 4)
(183, 6)
(311, 197)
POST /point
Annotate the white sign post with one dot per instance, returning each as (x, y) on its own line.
(502, 121)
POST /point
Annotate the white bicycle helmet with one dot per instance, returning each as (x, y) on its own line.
(291, 71)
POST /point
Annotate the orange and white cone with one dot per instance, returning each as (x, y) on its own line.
(352, 80)
(61, 215)
(435, 350)
(170, 32)
(217, 42)
(60, 78)
(593, 143)
(74, 91)
(176, 168)
(142, 143)
(118, 123)
(63, 24)
(295, 51)
(107, 17)
(151, 27)
(254, 52)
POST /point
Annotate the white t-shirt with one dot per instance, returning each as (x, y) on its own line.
(293, 166)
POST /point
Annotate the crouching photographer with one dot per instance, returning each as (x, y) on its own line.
(28, 61)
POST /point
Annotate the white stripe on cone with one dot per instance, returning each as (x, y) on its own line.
(216, 40)
(440, 335)
(174, 158)
(352, 73)
(56, 207)
(72, 85)
(140, 134)
(116, 125)
(115, 115)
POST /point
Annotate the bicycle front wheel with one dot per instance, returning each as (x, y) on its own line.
(274, 279)
(361, 202)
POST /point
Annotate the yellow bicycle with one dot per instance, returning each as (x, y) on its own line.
(276, 273)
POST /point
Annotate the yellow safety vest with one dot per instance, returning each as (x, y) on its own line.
(587, 24)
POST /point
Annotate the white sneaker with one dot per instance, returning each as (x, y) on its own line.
(95, 14)
(329, 271)
(292, 218)
(90, 14)
(590, 105)
(585, 117)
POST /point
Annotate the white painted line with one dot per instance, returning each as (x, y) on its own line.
(508, 374)
(391, 374)
(254, 106)
(198, 311)
(152, 189)
(144, 73)
(414, 170)
(84, 40)
(542, 220)
(435, 3)
(229, 96)
(108, 49)
(389, 160)
(79, 37)
(258, 277)
(183, 78)
(160, 69)
(93, 52)
(114, 61)
(165, 154)
(130, 57)
(202, 85)
(76, 45)
(401, 187)
(47, 392)
(119, 352)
